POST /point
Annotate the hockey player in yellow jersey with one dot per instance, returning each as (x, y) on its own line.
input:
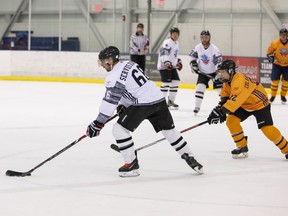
(277, 54)
(240, 98)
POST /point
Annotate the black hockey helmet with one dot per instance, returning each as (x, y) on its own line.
(228, 65)
(140, 25)
(110, 51)
(205, 32)
(283, 30)
(174, 29)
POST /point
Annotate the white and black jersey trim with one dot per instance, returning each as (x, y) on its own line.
(151, 103)
(217, 59)
(194, 54)
(114, 94)
(129, 96)
(165, 51)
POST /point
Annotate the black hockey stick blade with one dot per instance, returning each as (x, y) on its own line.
(17, 174)
(114, 147)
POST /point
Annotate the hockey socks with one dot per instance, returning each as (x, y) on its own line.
(274, 87)
(273, 134)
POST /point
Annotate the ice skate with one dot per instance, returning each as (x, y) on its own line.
(286, 155)
(283, 99)
(172, 105)
(240, 153)
(191, 161)
(196, 110)
(272, 98)
(129, 170)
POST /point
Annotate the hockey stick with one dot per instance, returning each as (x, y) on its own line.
(28, 173)
(116, 148)
(207, 75)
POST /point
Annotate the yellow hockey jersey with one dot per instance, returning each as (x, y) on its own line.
(245, 93)
(280, 52)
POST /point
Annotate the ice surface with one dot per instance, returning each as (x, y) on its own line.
(38, 119)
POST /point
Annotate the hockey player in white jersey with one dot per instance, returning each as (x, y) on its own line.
(168, 64)
(205, 58)
(136, 98)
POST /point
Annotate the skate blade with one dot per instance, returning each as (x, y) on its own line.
(199, 171)
(173, 108)
(132, 173)
(240, 156)
(284, 103)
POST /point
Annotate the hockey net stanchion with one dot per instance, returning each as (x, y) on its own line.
(28, 173)
(116, 148)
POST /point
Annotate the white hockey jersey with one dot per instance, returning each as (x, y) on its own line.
(168, 52)
(127, 84)
(207, 59)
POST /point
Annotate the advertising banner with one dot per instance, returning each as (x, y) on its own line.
(151, 67)
(247, 65)
(265, 72)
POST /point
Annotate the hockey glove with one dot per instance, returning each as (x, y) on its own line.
(270, 58)
(168, 65)
(94, 129)
(121, 109)
(179, 64)
(194, 67)
(217, 115)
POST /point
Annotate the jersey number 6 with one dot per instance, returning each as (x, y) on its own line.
(139, 77)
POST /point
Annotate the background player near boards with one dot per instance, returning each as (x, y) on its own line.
(277, 54)
(168, 64)
(205, 57)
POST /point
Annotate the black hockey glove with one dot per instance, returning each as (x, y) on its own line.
(94, 129)
(121, 109)
(179, 65)
(216, 115)
(270, 58)
(194, 67)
